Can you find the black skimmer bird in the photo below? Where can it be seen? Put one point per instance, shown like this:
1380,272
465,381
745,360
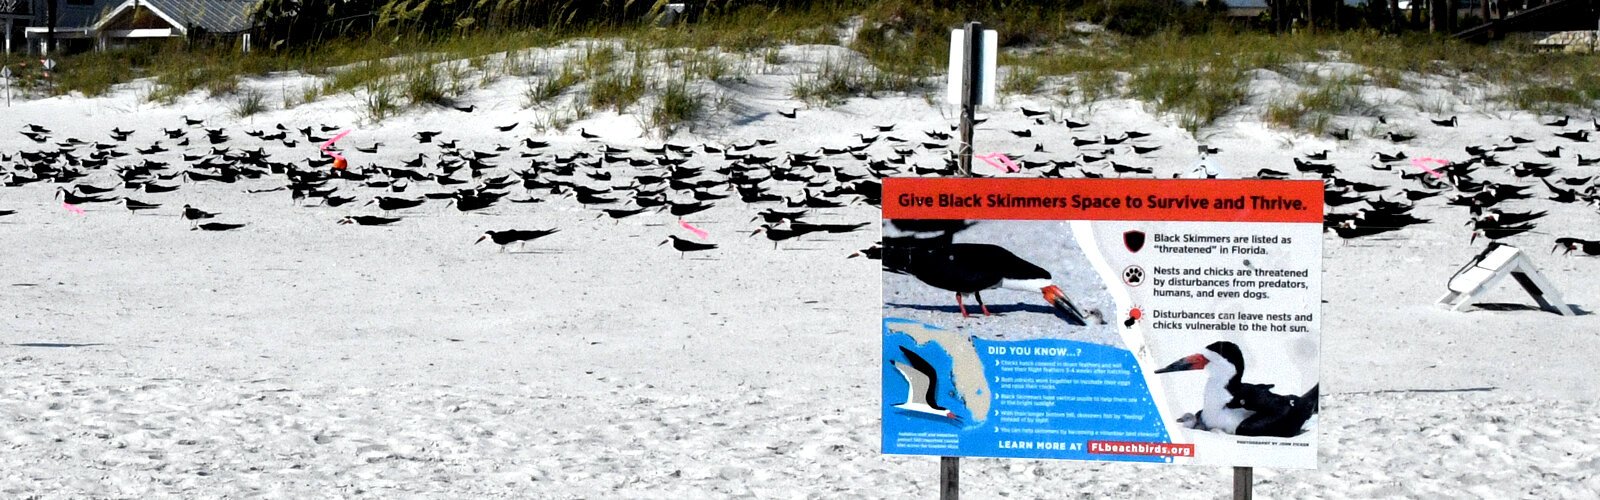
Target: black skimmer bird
923,381
369,220
1349,229
1494,231
466,109
73,198
1398,137
506,128
194,214
1388,158
136,205
386,203
1235,407
1575,136
1031,113
684,246
508,237
873,253
620,213
1588,247
791,114
1450,122
971,268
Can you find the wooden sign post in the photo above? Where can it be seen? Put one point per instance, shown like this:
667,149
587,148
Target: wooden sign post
1244,483
973,58
971,84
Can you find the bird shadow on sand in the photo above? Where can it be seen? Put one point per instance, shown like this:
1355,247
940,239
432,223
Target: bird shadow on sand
54,344
1427,391
536,252
1508,307
973,309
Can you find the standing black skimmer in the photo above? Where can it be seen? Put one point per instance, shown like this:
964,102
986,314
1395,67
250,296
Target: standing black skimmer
1241,409
194,214
508,237
684,246
971,268
922,396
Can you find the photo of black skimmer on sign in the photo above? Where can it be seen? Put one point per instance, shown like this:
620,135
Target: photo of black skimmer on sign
1241,408
1031,318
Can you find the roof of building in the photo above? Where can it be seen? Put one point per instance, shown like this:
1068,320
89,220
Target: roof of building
215,16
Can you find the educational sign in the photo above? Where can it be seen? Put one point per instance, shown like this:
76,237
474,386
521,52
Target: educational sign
1169,321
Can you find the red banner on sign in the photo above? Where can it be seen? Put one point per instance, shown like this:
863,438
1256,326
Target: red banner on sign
1215,200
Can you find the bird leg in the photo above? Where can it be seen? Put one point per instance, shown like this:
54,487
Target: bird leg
962,306
981,305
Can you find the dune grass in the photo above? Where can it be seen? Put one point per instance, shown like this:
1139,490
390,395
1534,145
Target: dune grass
250,103
619,89
1196,73
1321,98
677,104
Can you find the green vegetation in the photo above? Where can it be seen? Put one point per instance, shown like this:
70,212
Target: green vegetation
250,103
546,88
1324,97
424,87
836,80
618,90
607,54
676,105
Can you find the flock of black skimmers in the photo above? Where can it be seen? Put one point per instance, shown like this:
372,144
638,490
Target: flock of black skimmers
784,190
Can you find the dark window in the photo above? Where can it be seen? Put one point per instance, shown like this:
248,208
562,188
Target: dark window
81,3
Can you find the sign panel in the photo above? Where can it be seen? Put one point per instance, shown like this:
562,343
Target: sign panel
1169,321
990,41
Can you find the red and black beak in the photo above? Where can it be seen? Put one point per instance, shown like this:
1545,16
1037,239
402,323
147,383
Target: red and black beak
480,239
1190,362
1053,295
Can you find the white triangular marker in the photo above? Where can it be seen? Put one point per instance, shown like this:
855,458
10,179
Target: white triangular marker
1494,264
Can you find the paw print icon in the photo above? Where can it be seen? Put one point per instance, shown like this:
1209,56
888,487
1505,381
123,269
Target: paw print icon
1133,275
